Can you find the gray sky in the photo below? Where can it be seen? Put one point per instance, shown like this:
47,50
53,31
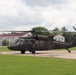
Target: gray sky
26,14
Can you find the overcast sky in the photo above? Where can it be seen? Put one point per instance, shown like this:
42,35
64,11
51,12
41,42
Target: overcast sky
26,14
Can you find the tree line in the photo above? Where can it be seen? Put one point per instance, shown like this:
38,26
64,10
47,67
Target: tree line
63,31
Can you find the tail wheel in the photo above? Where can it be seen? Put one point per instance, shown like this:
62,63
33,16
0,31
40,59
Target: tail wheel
68,50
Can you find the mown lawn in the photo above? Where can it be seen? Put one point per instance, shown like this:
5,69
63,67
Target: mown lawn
4,48
23,65
74,48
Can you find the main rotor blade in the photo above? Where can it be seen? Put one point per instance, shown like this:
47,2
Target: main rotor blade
16,31
19,31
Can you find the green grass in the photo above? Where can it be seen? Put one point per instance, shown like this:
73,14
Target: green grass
74,48
4,48
20,65
23,65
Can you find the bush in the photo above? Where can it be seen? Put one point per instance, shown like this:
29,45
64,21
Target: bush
5,42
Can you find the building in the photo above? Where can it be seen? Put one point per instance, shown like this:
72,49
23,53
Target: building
12,37
59,38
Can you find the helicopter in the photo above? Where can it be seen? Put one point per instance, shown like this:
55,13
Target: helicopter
37,42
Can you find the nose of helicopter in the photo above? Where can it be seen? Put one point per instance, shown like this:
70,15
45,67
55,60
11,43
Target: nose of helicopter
10,47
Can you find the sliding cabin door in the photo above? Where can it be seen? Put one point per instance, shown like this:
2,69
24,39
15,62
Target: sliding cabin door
41,45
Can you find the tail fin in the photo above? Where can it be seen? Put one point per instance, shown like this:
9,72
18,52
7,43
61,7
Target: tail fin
74,38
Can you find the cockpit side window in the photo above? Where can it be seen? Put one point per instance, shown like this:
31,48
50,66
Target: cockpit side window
15,41
18,42
22,42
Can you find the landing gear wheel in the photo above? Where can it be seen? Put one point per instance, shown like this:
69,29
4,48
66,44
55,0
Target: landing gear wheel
23,52
33,52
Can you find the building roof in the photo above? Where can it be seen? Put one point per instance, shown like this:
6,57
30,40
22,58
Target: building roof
12,34
58,35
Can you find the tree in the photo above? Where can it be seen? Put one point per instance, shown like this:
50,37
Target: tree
56,31
68,36
43,29
63,29
5,42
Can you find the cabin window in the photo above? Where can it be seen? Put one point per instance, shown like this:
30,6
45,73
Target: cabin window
46,43
15,41
25,42
37,42
22,42
18,42
29,42
41,42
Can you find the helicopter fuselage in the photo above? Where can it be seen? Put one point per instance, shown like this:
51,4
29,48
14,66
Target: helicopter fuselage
39,43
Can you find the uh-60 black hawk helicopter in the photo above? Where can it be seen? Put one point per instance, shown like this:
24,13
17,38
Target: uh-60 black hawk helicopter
36,42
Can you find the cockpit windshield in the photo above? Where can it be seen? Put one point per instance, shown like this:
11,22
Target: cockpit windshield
18,42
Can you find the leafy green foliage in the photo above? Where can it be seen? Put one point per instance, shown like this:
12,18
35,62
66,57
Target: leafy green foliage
56,31
64,32
64,29
68,36
42,29
5,42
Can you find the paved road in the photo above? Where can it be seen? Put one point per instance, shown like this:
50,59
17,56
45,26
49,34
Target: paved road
53,53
